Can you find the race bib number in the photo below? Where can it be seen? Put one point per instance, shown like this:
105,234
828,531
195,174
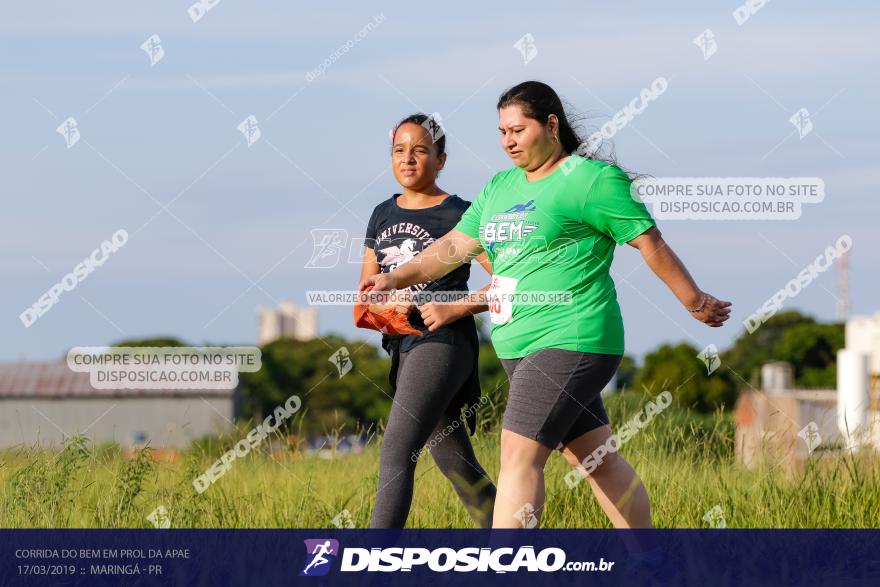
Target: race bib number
500,298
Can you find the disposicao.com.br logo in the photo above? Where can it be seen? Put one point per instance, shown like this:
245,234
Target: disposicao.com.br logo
403,559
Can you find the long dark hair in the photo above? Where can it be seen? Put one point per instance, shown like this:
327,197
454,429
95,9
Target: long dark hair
539,101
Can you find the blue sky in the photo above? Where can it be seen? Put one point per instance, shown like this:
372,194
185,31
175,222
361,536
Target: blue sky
237,234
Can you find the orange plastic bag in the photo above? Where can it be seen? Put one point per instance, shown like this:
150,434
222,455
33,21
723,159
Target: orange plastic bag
388,321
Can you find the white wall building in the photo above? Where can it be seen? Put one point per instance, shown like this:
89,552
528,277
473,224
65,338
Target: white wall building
43,403
779,423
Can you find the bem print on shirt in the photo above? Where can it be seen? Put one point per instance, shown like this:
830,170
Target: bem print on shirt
556,234
510,226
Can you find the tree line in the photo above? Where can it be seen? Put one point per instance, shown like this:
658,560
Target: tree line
359,400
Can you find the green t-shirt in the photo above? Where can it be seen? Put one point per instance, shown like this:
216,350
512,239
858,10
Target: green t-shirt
556,234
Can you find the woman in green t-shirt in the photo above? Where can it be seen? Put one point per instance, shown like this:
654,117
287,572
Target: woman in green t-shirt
550,225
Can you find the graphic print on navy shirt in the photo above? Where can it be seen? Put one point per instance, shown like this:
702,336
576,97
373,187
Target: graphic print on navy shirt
390,256
398,234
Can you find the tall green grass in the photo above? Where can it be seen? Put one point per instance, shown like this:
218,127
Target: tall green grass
686,462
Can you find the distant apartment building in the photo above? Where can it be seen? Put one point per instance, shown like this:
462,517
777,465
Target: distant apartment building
288,320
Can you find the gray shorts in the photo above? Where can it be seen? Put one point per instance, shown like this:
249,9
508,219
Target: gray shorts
555,394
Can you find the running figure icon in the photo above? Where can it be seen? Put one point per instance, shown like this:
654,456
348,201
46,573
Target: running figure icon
320,550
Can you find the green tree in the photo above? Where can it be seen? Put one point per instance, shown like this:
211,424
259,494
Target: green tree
330,402
678,370
750,351
812,349
790,336
626,373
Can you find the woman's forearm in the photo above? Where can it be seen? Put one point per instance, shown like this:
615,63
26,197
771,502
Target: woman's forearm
400,301
668,267
449,252
474,303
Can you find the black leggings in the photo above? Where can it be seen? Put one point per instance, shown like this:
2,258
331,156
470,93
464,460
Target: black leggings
428,377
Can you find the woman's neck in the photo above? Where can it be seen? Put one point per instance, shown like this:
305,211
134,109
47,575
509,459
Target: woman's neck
548,166
415,199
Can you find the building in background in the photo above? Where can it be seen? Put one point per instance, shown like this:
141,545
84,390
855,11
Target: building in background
288,320
44,403
781,425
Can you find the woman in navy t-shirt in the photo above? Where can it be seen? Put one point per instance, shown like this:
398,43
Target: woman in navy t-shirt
434,375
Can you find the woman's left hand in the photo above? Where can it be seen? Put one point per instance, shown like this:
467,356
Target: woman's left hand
714,311
435,315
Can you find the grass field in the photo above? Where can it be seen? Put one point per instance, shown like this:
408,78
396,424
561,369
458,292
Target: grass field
687,464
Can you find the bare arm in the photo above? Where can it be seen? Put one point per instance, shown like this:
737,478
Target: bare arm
477,301
436,315
450,251
668,267
370,267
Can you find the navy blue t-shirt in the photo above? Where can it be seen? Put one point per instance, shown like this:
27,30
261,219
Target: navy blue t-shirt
398,234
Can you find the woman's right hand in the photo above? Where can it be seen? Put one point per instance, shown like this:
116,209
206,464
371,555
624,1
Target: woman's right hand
399,301
714,312
377,289
380,282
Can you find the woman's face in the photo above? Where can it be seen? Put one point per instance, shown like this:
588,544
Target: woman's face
525,140
414,157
